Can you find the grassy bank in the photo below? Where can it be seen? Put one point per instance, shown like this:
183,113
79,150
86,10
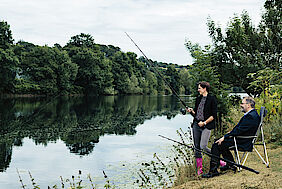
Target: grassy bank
267,178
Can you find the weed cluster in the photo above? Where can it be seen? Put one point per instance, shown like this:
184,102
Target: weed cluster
172,169
75,182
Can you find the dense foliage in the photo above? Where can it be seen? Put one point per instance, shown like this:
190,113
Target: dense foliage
244,57
8,60
80,67
244,48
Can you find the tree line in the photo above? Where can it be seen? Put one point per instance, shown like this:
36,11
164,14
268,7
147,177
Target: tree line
242,57
79,67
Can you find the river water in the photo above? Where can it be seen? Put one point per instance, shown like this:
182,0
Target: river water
53,138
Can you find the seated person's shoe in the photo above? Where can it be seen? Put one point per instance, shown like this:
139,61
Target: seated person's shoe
228,167
210,174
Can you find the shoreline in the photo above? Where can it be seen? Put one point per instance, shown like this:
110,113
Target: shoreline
267,178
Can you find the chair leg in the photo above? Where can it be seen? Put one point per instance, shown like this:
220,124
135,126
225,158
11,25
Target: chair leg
245,159
264,148
261,157
237,154
265,155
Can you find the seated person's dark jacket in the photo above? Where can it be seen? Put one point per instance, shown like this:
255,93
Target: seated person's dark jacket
247,126
210,109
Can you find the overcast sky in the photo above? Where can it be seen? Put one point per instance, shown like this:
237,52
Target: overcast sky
159,27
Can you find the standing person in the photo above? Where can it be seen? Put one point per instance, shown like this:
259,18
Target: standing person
247,126
204,115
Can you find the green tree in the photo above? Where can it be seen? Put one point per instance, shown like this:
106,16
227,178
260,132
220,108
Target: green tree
82,40
133,85
8,70
173,78
151,80
185,80
8,60
94,73
6,38
237,53
122,71
159,70
66,73
161,86
48,68
109,50
264,80
271,33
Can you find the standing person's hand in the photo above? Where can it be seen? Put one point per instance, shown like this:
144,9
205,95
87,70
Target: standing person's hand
189,109
201,124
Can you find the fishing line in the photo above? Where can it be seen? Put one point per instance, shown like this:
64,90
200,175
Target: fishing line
161,76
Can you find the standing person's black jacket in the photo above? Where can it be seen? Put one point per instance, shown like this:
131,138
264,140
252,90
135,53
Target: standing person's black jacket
210,109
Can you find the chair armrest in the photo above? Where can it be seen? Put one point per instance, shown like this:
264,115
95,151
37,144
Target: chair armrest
245,136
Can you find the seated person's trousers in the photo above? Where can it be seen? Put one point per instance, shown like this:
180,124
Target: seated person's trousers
223,150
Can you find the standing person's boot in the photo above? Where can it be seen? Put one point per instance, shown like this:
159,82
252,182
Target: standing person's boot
199,162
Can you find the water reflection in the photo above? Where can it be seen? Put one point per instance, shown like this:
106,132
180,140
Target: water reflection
77,121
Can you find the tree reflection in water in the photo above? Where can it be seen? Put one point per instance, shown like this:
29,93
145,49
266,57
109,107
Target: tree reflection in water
78,121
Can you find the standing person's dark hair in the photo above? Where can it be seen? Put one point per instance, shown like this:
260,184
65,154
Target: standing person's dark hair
206,85
204,113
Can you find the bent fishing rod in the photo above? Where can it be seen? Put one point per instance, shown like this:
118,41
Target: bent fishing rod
212,155
152,66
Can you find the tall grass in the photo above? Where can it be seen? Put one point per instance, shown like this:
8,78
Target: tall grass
75,182
165,171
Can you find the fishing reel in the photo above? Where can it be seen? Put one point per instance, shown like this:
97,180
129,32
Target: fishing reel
183,111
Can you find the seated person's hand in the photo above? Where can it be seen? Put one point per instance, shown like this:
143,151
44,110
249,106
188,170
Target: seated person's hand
219,141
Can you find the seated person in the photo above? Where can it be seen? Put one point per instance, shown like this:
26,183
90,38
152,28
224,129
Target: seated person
247,126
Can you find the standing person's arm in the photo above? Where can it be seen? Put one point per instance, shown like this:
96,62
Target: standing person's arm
204,123
193,111
213,113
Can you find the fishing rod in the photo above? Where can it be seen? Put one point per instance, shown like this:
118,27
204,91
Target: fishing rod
151,64
183,111
212,155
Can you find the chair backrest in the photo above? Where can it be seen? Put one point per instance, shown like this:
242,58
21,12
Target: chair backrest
262,114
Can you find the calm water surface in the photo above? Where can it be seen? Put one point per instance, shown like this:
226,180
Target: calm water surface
58,137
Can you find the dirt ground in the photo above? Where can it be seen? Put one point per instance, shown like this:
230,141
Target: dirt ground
267,178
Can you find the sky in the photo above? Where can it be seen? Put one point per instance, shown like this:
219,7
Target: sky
159,27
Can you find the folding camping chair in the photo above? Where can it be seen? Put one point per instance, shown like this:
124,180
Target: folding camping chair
244,157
